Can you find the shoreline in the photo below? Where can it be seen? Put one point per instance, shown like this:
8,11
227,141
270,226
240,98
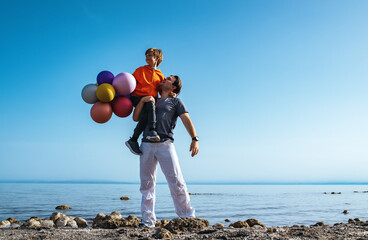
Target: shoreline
337,231
114,226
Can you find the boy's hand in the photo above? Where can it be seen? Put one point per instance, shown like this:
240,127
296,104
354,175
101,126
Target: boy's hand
148,99
194,148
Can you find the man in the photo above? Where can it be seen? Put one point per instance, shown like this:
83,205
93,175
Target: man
168,109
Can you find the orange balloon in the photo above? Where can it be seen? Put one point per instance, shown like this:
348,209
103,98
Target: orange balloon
101,112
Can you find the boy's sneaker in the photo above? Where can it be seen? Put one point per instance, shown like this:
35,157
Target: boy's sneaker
152,136
133,147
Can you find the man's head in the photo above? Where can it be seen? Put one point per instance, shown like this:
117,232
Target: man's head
154,57
171,84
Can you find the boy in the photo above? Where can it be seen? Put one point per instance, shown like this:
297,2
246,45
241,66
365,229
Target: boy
148,80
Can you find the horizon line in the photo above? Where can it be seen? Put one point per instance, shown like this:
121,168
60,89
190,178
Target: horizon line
188,183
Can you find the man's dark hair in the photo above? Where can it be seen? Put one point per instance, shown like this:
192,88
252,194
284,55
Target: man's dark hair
177,84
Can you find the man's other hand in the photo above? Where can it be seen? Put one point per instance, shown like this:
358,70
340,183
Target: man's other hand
194,148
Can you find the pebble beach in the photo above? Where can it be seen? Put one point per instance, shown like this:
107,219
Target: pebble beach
114,226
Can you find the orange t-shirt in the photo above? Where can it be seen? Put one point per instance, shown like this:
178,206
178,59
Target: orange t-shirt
148,80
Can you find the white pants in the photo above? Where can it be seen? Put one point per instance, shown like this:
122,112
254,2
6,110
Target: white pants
165,154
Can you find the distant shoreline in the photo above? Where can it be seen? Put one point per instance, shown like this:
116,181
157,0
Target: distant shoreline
188,183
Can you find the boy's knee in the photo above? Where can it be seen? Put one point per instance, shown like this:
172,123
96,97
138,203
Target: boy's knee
149,105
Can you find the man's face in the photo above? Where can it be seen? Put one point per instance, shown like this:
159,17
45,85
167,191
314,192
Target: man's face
151,60
167,83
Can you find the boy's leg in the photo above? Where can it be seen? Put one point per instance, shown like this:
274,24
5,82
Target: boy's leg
148,169
141,125
168,159
132,143
150,109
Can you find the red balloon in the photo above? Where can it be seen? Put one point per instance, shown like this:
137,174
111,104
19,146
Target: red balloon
101,112
122,107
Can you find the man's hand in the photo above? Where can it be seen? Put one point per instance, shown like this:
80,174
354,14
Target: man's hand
194,148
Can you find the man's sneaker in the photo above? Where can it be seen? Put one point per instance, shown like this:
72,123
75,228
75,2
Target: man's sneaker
133,147
152,136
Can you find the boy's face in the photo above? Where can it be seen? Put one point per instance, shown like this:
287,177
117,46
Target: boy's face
151,60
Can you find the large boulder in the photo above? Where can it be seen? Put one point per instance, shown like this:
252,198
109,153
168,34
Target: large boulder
4,223
12,220
47,223
114,220
61,223
33,222
82,223
239,224
72,224
252,222
57,215
187,224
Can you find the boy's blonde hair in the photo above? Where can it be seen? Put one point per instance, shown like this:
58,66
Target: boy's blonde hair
157,53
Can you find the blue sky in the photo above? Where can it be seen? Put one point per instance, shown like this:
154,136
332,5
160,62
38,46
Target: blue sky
277,90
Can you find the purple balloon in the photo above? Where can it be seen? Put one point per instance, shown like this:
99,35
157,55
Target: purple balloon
105,77
124,83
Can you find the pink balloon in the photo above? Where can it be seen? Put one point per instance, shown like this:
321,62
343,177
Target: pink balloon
124,83
122,107
101,112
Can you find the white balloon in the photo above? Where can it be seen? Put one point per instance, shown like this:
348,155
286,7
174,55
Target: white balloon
89,93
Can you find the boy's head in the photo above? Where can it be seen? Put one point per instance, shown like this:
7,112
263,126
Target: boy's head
154,57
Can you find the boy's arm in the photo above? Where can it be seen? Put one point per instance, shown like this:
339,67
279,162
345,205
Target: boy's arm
194,148
139,107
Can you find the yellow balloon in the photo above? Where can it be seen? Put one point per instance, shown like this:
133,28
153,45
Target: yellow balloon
105,92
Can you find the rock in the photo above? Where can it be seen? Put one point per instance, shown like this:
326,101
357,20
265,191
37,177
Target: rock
253,222
33,222
72,224
186,224
356,191
124,198
218,225
114,221
320,224
82,223
345,212
4,223
162,223
47,223
12,220
162,233
33,218
57,215
61,223
63,207
239,224
227,220
115,215
357,219
351,221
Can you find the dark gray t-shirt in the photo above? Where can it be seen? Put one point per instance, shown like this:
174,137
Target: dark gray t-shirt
167,112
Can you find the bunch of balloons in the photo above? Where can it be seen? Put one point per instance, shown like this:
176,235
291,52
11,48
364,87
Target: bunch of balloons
109,95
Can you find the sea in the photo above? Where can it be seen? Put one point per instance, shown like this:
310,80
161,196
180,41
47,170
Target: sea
273,205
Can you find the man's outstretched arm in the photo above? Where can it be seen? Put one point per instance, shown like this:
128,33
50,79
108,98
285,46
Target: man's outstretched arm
192,132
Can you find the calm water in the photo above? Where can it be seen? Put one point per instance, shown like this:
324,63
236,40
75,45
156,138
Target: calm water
273,205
